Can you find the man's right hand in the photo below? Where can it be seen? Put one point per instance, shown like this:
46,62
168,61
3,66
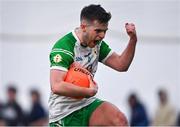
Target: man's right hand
93,87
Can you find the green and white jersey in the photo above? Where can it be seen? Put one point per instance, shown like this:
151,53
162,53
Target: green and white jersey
66,51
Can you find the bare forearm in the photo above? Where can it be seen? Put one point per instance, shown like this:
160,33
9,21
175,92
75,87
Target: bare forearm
123,61
128,54
71,90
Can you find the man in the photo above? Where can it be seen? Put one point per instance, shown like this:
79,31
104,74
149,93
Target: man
138,112
85,47
165,114
12,112
37,115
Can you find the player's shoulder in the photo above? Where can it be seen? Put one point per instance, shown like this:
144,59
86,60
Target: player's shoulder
67,42
103,44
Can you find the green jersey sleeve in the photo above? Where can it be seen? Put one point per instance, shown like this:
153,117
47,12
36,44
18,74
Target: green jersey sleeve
61,56
105,52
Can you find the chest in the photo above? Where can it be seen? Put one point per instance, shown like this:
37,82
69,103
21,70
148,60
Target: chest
86,55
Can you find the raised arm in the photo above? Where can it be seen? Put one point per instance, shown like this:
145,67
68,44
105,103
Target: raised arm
60,87
123,61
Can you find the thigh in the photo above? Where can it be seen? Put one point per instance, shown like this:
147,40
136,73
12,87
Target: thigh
107,115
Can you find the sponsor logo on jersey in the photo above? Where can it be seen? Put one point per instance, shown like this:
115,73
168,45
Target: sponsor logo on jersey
82,70
57,58
79,59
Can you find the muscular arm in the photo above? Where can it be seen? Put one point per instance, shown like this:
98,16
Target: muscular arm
60,87
123,61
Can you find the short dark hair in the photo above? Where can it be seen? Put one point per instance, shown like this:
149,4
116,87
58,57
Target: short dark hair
162,92
12,89
95,12
35,92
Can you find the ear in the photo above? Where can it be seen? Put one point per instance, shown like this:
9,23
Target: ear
83,25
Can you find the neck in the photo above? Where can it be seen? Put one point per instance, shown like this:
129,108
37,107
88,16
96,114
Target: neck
80,36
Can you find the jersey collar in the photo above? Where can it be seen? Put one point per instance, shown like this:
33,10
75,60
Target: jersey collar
74,34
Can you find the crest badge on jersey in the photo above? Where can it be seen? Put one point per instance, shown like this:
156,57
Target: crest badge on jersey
57,58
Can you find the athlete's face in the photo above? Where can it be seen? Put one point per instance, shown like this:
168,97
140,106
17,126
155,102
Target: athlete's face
94,32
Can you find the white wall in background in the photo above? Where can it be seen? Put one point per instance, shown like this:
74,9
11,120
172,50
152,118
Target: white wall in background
30,28
0,48
51,17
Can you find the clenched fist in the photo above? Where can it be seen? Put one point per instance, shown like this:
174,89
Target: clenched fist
131,30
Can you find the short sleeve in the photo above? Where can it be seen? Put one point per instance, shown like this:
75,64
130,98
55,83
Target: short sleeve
61,56
105,52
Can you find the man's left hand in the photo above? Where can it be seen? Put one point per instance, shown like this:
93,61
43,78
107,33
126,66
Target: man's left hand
131,30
